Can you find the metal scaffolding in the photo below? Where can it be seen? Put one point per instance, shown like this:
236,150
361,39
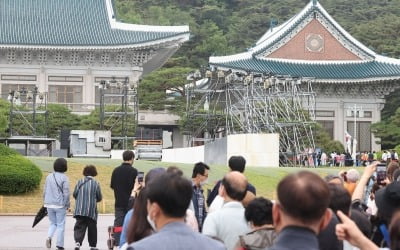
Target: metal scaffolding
119,110
28,112
237,102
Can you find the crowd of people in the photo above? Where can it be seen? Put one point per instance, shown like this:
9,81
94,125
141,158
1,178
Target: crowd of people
166,210
342,159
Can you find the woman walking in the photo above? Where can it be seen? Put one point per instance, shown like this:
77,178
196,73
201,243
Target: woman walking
56,200
87,193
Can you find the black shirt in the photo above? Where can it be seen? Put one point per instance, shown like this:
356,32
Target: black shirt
122,181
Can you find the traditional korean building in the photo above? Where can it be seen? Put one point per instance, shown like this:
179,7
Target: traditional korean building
350,80
66,47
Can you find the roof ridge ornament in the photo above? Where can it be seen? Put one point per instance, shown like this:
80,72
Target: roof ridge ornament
314,2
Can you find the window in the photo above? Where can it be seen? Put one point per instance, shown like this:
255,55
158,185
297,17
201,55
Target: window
102,139
65,78
7,88
111,95
324,113
118,79
363,134
65,94
328,127
360,113
18,77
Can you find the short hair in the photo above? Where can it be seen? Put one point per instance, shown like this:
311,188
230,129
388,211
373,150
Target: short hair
340,198
199,168
174,170
60,165
259,211
304,196
172,193
233,188
352,175
237,163
153,174
90,170
128,155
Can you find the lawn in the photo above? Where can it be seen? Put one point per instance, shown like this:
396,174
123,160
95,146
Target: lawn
264,179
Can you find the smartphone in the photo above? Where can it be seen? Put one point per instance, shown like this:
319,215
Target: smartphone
380,173
140,176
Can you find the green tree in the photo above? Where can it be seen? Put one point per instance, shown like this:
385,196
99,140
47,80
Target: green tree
388,131
112,122
59,117
4,116
152,90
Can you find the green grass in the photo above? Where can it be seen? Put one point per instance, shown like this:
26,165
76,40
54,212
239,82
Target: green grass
264,179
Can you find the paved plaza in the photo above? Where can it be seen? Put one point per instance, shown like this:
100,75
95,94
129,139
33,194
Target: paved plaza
16,232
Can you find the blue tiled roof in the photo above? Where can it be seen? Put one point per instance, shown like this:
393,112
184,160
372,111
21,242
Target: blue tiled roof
361,70
66,23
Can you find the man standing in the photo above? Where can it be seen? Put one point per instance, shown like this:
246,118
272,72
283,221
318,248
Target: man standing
301,211
229,222
168,198
235,163
199,178
122,182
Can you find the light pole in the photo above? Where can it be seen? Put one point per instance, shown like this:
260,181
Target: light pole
10,98
356,110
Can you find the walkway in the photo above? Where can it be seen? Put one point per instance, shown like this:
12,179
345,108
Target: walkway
16,232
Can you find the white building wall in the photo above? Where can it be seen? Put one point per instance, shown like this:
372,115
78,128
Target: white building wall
259,150
183,155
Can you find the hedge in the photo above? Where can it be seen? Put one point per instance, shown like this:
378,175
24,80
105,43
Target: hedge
17,174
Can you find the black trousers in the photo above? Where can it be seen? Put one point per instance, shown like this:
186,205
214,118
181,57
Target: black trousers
83,222
119,221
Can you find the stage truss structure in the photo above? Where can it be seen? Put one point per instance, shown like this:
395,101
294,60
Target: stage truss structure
226,102
119,111
28,112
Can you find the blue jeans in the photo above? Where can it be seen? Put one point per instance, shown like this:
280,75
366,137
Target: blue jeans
57,222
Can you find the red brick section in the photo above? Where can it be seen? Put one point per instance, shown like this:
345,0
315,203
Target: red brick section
296,49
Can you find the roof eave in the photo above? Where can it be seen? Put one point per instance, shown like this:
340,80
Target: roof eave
181,38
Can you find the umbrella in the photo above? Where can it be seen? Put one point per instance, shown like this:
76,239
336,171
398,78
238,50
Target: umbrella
40,215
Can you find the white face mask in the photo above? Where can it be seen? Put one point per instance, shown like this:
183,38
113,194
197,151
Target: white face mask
204,182
152,223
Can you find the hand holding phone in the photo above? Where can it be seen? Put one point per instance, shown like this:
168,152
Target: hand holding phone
381,173
140,177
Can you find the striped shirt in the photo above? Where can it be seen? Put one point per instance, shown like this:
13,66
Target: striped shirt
87,193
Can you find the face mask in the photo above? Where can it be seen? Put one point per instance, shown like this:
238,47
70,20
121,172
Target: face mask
152,223
204,182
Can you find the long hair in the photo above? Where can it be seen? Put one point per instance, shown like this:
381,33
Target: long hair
138,227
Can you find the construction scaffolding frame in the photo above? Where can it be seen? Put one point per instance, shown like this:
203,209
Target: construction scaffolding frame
28,112
243,102
119,110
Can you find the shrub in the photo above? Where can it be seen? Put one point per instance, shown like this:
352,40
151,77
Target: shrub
17,174
334,146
